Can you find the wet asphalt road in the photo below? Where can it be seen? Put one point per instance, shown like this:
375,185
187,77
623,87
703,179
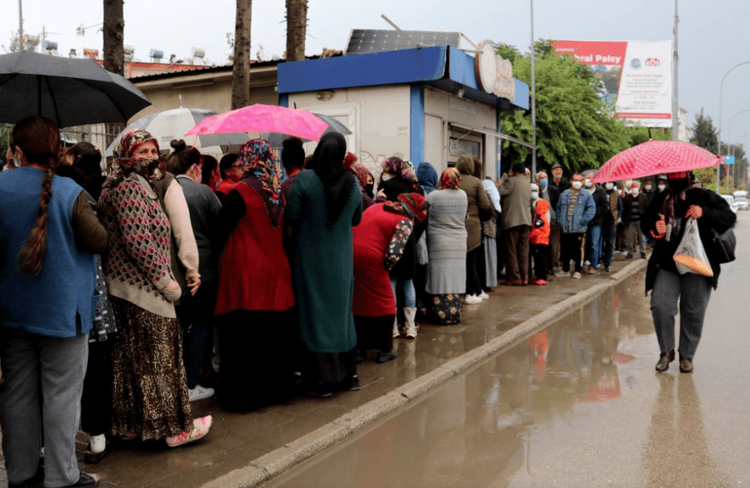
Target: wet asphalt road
578,404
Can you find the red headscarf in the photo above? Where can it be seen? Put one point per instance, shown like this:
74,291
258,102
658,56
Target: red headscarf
450,180
352,164
417,204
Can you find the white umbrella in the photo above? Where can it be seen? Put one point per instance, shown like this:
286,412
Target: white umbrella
173,124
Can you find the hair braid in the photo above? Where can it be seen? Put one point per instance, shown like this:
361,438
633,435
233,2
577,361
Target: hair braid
32,252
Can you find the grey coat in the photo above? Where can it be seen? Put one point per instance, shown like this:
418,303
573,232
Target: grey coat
516,194
446,242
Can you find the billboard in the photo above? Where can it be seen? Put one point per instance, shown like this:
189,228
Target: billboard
636,77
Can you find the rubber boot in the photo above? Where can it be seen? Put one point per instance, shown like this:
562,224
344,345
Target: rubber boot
396,332
411,327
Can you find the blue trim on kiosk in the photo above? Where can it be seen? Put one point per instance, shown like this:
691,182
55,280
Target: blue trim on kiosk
416,126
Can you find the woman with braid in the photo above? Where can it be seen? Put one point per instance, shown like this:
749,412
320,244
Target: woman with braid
49,236
150,393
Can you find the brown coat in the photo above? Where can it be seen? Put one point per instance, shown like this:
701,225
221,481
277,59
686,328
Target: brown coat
479,204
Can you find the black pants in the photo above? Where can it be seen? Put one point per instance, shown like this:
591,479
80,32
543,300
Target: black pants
96,401
473,286
539,255
197,321
570,248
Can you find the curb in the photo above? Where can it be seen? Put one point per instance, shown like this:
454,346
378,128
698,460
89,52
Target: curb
283,459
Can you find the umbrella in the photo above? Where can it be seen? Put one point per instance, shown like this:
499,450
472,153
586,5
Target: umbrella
655,157
263,118
68,91
334,125
171,124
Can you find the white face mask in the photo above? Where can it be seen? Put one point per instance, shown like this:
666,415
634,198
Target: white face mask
577,185
534,195
662,187
588,183
386,177
647,187
634,192
628,183
609,186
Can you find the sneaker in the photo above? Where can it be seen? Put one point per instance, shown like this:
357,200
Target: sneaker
483,296
577,275
98,449
541,282
607,269
469,299
643,255
629,255
201,428
86,480
385,356
587,263
200,393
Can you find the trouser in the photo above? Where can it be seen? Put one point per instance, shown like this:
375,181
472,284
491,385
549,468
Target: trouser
636,236
570,248
622,236
408,292
96,401
517,253
609,234
197,320
539,255
481,266
594,245
473,286
554,246
49,369
693,292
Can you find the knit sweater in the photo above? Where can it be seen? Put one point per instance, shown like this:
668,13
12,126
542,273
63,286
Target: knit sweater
137,262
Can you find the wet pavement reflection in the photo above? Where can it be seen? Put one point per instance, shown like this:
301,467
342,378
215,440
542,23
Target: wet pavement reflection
576,404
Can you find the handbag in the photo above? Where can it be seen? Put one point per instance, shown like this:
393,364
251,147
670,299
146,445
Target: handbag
724,245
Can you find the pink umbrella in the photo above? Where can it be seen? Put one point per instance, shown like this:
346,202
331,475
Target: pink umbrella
263,118
653,158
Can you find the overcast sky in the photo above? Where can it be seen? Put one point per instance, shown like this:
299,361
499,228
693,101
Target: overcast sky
713,35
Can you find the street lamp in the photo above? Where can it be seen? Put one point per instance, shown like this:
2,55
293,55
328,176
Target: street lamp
533,94
721,97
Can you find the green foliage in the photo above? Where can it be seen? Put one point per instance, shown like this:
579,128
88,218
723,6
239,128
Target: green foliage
705,134
5,130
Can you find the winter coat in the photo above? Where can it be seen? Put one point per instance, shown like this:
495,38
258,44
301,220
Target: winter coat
516,194
479,204
583,212
540,235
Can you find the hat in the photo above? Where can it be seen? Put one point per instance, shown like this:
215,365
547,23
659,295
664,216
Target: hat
662,177
534,187
555,166
588,172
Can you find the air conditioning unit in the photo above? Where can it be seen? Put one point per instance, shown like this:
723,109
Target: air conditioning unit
128,52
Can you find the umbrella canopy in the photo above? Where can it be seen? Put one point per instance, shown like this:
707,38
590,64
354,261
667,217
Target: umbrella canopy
263,118
654,157
68,91
172,124
334,125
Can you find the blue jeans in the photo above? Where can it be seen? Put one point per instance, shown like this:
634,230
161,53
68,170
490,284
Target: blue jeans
407,287
594,244
609,235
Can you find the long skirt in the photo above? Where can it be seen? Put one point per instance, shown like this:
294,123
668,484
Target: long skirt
374,332
149,388
257,351
490,259
445,309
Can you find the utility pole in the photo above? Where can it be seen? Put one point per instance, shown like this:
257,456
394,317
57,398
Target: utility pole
675,76
533,95
20,23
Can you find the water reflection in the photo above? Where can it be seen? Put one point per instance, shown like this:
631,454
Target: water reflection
477,430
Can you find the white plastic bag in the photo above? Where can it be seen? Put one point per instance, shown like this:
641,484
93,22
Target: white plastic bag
690,256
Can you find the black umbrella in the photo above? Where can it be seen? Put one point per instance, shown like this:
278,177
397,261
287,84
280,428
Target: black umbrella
68,91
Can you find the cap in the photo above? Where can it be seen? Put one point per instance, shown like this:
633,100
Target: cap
555,166
588,172
534,187
662,177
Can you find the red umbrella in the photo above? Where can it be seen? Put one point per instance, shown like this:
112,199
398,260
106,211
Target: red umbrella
653,158
263,118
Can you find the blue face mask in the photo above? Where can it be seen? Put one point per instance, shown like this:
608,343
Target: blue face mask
543,183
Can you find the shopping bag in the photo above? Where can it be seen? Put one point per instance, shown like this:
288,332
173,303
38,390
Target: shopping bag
690,256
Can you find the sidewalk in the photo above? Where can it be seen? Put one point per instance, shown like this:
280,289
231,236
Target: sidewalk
229,456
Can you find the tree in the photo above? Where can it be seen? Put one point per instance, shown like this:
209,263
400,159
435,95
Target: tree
114,35
574,128
241,61
705,134
296,29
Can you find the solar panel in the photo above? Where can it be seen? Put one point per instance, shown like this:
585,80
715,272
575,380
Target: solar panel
377,40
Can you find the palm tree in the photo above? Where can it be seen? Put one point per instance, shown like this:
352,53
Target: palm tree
296,29
241,70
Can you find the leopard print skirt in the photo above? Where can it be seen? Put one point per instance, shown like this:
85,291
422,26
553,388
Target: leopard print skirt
149,391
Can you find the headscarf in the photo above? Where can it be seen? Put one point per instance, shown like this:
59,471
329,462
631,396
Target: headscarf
328,164
451,179
417,204
352,164
125,164
398,167
262,173
427,177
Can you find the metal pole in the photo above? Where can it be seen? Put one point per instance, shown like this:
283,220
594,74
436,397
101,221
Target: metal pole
533,94
20,23
675,96
731,148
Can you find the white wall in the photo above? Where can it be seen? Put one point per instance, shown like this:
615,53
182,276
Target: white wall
377,116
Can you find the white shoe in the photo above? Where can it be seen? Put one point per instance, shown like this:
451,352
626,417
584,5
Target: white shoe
200,393
98,443
483,295
577,275
587,263
469,299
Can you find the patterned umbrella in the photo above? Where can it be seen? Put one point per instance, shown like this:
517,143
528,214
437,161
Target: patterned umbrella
263,118
655,157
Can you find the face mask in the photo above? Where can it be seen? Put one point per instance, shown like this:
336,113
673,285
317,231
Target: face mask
543,182
627,192
679,185
577,185
662,187
634,192
609,186
534,196
647,187
628,183
386,177
588,183
368,189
